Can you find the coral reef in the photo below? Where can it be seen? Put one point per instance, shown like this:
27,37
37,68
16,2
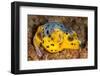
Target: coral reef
78,24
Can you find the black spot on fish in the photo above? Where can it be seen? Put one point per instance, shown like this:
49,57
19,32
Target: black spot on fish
51,50
52,44
47,32
51,38
61,25
47,46
43,41
49,35
70,38
66,33
46,28
60,43
71,43
40,44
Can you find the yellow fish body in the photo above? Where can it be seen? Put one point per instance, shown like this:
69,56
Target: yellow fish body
57,41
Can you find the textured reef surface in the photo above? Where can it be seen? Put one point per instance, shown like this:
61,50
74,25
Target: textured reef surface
57,37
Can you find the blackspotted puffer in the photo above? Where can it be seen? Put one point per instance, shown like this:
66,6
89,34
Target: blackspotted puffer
55,37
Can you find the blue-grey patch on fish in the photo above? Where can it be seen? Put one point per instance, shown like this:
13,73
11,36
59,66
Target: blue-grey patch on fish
49,27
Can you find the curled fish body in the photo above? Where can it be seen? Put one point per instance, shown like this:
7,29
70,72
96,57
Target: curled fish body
55,37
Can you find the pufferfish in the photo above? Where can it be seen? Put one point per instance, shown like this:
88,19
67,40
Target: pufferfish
55,37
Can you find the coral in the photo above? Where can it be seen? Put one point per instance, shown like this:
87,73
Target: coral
78,24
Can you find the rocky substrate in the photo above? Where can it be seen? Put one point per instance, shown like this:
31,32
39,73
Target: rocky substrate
78,24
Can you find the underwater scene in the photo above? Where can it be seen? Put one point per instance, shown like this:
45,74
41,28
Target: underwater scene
57,37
